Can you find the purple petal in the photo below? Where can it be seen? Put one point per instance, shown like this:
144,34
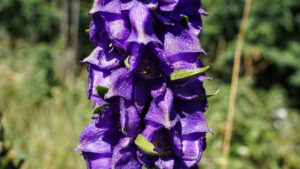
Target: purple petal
97,139
193,120
182,48
105,59
188,7
151,4
194,123
111,59
120,84
109,28
190,90
202,12
97,32
137,52
146,160
181,40
151,130
97,77
93,58
165,162
127,4
168,5
117,28
141,95
97,160
191,107
124,155
109,6
175,134
193,147
161,111
184,61
141,25
163,19
196,24
165,65
158,87
193,10
129,118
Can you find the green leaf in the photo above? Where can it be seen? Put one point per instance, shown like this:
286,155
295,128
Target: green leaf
99,109
184,74
147,147
126,61
184,20
87,30
101,90
203,96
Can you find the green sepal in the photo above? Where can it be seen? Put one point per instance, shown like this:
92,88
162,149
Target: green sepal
147,147
203,96
184,20
184,74
126,62
101,90
87,30
99,109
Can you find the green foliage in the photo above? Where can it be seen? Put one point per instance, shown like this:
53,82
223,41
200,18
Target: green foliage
32,19
265,133
184,74
6,161
272,40
42,113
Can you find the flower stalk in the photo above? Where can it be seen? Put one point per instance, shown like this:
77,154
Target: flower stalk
234,85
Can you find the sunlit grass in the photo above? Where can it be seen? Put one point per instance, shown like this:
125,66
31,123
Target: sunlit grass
44,125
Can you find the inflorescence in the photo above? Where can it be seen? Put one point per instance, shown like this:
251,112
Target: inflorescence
146,82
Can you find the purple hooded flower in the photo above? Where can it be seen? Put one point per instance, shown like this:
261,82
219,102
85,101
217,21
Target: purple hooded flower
140,46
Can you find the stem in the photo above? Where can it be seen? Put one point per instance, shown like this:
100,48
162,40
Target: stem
234,85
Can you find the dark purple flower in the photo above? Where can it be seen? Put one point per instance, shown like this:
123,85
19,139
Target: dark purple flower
139,44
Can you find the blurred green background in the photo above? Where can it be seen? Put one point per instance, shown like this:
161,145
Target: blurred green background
43,83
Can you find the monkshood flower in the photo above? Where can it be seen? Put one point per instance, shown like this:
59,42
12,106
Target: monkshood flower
146,81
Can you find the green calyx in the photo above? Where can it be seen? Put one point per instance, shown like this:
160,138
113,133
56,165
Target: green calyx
184,20
184,74
99,109
147,147
203,96
101,90
126,62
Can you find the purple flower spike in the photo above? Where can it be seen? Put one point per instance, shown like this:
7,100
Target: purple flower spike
146,82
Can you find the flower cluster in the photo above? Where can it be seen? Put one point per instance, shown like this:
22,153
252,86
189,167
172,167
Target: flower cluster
146,82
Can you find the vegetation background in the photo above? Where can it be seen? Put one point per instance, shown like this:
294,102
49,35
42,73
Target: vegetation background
43,83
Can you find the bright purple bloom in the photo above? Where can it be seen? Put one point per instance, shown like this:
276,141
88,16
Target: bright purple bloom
139,44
